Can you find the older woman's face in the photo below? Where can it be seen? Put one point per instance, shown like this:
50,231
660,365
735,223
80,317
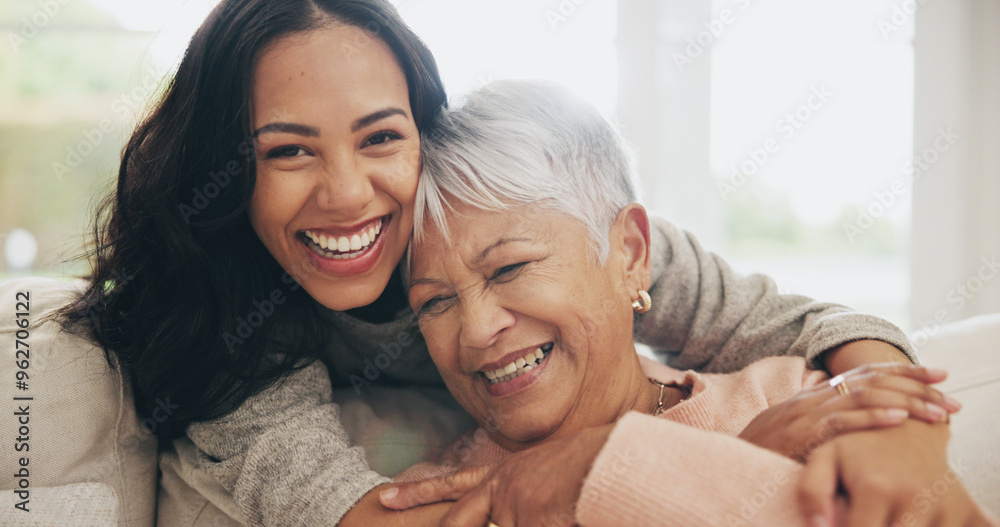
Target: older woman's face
338,155
527,330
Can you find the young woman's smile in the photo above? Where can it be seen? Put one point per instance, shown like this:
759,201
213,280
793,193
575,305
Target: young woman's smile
338,155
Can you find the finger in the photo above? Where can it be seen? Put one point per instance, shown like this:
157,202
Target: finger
912,371
846,421
915,371
818,486
448,487
473,510
915,388
862,397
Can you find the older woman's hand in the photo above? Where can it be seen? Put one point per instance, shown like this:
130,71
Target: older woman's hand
535,487
876,396
898,476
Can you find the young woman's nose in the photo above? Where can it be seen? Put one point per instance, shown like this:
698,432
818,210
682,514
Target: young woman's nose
345,187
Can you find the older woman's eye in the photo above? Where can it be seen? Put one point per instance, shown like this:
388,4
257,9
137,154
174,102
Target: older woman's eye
286,151
507,271
433,306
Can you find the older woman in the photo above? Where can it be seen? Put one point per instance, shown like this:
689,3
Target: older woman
529,262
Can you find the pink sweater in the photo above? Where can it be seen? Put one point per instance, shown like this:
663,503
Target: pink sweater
683,467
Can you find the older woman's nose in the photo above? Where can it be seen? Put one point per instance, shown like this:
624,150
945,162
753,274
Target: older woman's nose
483,321
345,187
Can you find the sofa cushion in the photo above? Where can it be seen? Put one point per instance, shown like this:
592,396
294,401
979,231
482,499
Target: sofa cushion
83,437
970,351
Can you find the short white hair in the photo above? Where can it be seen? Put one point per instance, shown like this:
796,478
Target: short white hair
516,142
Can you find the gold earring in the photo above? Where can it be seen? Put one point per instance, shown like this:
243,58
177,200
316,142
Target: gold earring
644,303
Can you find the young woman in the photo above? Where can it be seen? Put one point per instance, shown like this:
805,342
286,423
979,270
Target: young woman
260,214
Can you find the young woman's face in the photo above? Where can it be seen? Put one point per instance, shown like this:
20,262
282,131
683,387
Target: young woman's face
338,155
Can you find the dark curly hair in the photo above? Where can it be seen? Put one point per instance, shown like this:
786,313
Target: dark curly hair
181,288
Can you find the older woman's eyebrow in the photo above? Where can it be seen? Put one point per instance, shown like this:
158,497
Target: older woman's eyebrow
502,241
288,128
424,281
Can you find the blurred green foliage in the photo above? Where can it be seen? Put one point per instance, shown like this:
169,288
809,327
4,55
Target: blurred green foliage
66,107
761,222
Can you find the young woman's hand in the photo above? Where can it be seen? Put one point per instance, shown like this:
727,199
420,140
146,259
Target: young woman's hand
870,397
532,488
895,476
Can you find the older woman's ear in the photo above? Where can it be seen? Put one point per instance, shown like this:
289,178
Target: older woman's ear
632,226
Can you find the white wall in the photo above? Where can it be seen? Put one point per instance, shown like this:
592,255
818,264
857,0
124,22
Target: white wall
956,202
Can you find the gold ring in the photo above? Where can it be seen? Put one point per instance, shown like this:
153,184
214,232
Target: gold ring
840,383
491,524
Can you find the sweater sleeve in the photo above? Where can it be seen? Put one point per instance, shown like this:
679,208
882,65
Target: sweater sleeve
707,317
703,478
284,455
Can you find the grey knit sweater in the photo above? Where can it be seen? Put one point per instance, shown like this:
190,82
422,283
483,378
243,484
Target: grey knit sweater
288,461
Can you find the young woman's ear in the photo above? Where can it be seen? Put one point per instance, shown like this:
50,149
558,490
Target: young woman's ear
632,229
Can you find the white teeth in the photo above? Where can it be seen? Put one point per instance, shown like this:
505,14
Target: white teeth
519,367
344,244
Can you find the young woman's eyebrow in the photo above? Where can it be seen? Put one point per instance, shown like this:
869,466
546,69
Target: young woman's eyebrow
376,116
288,128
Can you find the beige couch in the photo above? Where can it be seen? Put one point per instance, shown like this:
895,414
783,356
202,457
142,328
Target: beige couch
91,462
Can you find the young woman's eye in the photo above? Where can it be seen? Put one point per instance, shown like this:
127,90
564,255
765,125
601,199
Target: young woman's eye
381,138
507,271
286,151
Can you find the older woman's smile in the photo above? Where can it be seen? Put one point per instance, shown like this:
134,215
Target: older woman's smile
522,363
517,374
